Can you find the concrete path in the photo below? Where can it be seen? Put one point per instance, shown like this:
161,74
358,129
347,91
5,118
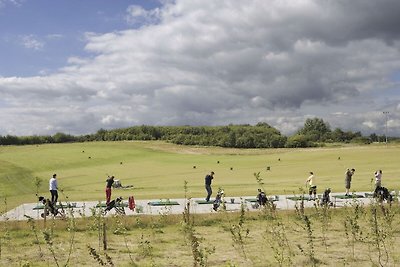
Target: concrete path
176,206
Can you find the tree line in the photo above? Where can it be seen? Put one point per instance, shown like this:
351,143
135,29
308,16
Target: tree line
315,132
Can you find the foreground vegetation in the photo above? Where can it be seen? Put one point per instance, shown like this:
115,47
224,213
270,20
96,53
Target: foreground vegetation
322,236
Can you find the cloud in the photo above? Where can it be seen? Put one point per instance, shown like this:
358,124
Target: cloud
31,42
217,62
138,15
13,2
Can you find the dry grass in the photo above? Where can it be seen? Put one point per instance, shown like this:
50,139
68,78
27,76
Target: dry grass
160,241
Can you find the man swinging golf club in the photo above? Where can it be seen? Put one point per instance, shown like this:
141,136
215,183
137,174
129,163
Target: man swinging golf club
208,180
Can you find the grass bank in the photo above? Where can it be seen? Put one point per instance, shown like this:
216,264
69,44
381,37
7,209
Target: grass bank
158,169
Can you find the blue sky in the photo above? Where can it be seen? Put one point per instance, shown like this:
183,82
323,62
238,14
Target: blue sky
40,35
77,66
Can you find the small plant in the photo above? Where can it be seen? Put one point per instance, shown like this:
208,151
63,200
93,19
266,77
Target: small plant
324,216
32,224
200,256
108,259
99,225
353,230
71,226
299,207
260,181
239,233
380,232
48,237
95,255
37,182
306,225
122,230
145,247
5,232
279,243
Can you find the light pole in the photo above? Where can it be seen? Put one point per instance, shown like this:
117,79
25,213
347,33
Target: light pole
386,121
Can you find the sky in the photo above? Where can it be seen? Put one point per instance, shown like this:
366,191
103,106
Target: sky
76,66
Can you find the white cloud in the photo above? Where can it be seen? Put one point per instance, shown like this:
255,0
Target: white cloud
31,42
370,124
218,62
138,15
13,2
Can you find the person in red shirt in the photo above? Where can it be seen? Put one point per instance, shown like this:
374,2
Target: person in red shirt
110,182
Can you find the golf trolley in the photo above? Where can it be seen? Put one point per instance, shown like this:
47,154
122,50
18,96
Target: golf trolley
326,199
382,193
50,208
218,199
117,205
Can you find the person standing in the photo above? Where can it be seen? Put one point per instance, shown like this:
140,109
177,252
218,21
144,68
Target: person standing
261,197
349,174
312,187
53,187
208,180
378,178
109,184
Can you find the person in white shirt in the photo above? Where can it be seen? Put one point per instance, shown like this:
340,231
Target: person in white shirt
378,178
312,187
53,187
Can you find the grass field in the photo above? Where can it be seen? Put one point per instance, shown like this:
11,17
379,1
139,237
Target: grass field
352,236
158,169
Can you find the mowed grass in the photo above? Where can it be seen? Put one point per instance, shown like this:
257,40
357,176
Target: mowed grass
158,169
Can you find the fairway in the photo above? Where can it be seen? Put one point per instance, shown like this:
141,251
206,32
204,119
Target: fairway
158,169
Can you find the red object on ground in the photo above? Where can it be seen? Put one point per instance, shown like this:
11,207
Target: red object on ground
131,204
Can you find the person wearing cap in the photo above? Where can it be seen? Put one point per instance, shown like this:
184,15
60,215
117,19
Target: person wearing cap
53,187
208,181
109,184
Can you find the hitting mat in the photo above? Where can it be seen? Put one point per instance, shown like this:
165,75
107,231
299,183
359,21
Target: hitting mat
348,197
163,203
103,205
204,202
299,198
253,200
62,206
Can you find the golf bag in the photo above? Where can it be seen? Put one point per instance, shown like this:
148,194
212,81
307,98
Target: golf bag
382,193
326,200
115,204
49,207
218,199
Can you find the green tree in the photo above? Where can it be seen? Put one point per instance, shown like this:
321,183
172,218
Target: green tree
298,140
315,130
